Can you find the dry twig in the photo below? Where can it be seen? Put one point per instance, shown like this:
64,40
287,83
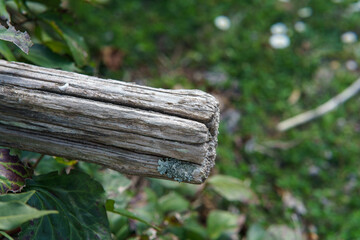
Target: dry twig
330,105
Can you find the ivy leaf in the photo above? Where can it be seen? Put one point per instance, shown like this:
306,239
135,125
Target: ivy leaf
80,202
20,39
14,213
123,212
19,197
12,172
232,189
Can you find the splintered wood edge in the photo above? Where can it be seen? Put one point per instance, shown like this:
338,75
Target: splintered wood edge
122,160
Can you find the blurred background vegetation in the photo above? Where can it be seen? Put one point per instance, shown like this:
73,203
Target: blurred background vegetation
265,61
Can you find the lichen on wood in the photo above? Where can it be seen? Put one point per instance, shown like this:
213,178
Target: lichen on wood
180,171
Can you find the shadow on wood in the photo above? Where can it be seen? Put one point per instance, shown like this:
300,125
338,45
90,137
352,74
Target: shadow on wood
133,129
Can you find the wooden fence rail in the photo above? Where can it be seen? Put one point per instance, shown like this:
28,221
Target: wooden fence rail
133,129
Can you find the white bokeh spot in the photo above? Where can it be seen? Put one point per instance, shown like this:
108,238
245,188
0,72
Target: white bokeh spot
222,23
349,37
278,28
351,65
305,12
300,27
279,41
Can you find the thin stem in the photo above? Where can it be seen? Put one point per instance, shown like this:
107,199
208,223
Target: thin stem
38,161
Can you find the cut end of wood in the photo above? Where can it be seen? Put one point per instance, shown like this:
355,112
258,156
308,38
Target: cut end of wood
170,134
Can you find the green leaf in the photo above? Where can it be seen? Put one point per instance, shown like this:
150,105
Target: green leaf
50,4
6,235
57,47
220,222
232,189
3,12
256,232
123,212
65,161
20,39
13,214
173,202
114,183
15,152
12,172
80,202
19,197
43,56
283,232
76,43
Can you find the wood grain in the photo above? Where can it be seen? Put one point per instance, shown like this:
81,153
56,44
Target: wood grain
120,125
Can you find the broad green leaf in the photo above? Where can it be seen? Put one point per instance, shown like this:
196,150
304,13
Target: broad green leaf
43,56
221,222
19,197
6,51
76,43
20,39
256,232
173,202
80,202
3,12
6,235
12,172
123,212
232,189
13,214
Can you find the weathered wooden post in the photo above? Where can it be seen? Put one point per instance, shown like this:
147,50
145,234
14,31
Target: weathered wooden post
133,129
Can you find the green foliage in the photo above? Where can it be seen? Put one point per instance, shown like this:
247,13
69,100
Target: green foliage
6,51
43,56
20,197
6,235
14,211
123,212
221,223
79,201
75,42
232,189
3,12
173,202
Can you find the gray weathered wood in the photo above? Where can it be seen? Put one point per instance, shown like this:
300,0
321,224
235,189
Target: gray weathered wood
120,125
